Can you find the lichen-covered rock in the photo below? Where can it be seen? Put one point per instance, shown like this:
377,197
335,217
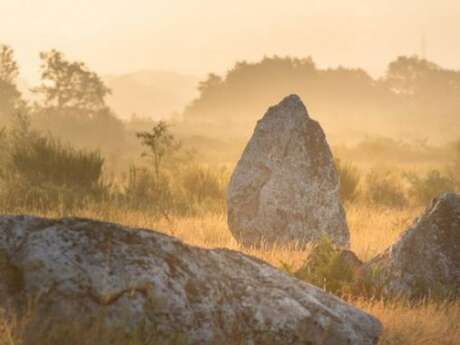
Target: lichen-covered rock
426,259
81,270
285,188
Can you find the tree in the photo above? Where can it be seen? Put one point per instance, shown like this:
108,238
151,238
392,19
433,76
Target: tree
9,70
211,83
73,105
413,76
10,97
160,143
70,85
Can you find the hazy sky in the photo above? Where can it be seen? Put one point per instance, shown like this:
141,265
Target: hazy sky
117,36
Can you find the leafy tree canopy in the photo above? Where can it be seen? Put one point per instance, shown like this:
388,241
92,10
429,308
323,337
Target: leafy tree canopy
67,84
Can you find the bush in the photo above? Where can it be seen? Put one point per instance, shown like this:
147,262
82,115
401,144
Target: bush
329,267
339,271
145,191
102,130
423,189
189,190
384,188
349,177
39,171
45,160
203,183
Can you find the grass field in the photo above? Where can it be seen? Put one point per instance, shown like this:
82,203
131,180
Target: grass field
372,230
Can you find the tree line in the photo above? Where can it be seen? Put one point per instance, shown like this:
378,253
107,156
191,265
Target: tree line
414,96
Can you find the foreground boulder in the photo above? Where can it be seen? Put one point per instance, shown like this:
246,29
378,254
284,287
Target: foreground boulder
80,270
285,188
426,259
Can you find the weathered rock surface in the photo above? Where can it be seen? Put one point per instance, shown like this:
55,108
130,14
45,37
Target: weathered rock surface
426,259
80,269
285,187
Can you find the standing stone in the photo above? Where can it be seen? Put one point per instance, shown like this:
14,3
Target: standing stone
285,188
85,272
426,259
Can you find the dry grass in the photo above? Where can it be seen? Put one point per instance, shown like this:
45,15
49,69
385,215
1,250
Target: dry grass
372,230
427,323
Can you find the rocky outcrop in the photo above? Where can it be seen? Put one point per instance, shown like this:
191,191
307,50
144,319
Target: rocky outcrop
80,269
426,259
285,189
424,262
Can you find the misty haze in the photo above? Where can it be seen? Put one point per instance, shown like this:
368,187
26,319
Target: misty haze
189,173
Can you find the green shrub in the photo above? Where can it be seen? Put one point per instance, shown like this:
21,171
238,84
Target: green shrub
384,188
329,267
339,271
349,177
45,160
39,171
424,188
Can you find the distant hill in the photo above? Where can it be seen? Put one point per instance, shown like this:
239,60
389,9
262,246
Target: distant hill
153,94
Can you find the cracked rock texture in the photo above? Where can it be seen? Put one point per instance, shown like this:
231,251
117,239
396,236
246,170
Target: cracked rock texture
80,269
285,188
426,259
